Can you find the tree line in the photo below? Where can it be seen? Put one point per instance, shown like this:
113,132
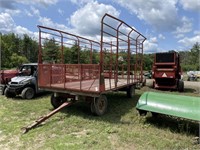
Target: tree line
17,50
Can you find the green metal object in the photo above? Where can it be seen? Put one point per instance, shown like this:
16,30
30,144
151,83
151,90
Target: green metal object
175,105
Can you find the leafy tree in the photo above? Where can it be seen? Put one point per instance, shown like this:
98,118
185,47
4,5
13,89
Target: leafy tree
13,46
67,55
75,55
190,59
95,57
17,60
29,48
85,56
51,51
194,56
9,45
148,61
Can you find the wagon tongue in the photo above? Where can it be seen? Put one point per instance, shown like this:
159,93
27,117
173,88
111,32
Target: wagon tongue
187,107
43,118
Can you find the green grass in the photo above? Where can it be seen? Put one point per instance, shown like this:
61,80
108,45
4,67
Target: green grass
75,128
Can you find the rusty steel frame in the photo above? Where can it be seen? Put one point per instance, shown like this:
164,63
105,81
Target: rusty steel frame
139,42
58,77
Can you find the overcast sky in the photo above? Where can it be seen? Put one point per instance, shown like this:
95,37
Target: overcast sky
167,24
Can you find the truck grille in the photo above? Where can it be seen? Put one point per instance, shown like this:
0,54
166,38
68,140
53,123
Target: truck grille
14,82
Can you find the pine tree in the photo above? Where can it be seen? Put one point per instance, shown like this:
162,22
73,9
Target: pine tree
51,51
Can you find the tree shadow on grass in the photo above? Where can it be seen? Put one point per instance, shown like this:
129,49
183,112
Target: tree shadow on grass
189,90
118,106
36,97
174,124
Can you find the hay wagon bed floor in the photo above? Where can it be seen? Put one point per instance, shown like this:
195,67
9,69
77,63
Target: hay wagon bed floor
90,85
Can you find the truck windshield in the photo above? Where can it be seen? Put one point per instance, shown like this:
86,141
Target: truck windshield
164,57
27,70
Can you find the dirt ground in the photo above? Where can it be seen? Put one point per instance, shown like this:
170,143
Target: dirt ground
189,86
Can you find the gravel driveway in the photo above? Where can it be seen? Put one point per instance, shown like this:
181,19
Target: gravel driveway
187,85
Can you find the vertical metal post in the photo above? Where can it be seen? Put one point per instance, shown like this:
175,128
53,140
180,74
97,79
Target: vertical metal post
64,76
39,56
129,55
128,67
136,61
80,75
39,47
91,50
111,63
117,51
78,51
62,53
101,75
142,61
137,56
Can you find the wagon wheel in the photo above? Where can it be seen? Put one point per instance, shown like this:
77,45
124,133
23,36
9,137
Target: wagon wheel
56,101
28,93
130,91
180,86
92,108
99,105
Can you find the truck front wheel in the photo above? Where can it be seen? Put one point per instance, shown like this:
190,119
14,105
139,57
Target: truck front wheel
28,93
9,94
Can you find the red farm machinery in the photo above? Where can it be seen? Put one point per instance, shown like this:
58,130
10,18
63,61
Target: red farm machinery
166,71
5,78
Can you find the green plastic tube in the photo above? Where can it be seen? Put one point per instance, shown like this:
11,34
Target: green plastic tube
175,105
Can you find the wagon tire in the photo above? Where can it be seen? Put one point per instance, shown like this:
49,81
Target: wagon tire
9,94
131,91
56,101
92,107
180,86
99,105
28,93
